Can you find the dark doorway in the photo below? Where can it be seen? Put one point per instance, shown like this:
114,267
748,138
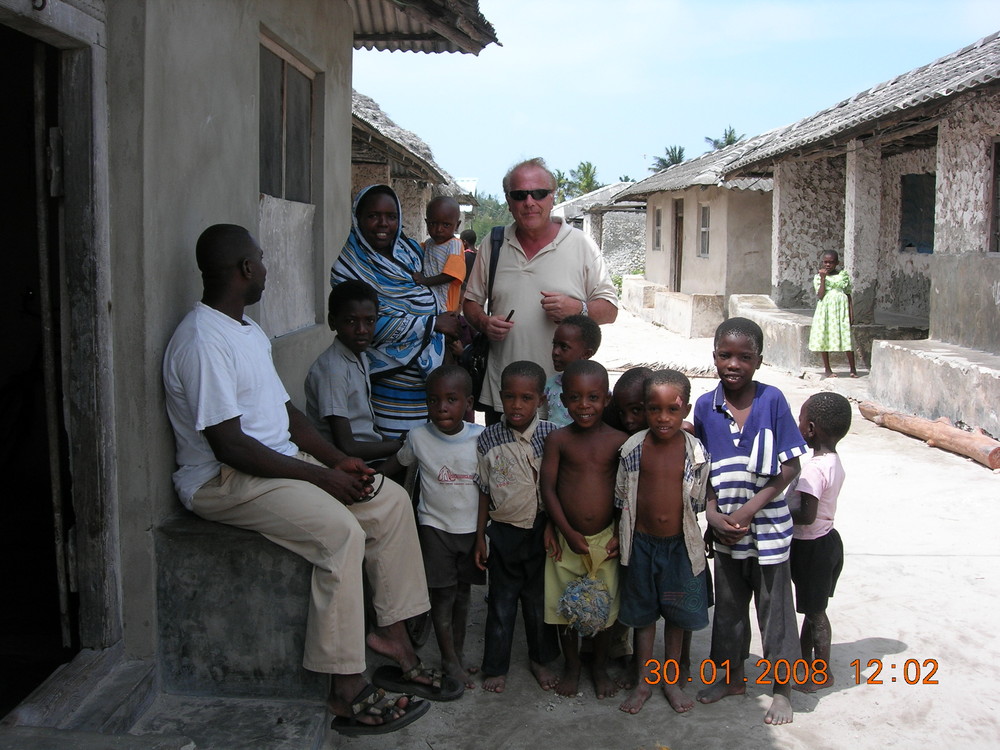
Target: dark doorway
37,621
678,248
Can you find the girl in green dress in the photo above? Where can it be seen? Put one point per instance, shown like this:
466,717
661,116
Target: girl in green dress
834,316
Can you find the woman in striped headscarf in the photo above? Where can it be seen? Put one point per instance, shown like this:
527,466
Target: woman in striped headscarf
410,335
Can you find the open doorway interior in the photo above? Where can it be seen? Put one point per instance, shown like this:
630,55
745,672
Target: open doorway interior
37,620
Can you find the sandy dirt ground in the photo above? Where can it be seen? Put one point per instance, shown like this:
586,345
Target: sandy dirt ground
920,587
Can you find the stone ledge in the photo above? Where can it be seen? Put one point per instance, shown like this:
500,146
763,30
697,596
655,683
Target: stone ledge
786,333
935,379
232,613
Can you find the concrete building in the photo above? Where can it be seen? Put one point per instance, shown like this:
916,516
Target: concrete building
128,128
706,238
617,228
902,180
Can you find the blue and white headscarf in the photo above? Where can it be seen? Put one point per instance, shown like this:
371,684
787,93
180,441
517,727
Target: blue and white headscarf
404,335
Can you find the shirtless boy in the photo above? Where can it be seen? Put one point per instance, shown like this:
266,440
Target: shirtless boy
662,483
578,482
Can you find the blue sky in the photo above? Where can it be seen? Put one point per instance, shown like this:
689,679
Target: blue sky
615,83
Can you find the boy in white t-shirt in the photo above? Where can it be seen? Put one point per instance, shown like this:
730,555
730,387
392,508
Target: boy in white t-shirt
448,510
817,555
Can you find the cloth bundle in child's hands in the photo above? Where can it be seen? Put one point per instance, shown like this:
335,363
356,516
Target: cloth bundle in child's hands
586,603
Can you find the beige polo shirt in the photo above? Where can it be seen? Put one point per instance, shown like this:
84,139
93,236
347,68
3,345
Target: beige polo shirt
571,264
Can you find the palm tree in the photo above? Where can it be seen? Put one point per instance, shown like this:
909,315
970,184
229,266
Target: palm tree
583,179
728,138
562,185
672,155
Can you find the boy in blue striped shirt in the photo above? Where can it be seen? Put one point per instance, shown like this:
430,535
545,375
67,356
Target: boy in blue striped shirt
755,445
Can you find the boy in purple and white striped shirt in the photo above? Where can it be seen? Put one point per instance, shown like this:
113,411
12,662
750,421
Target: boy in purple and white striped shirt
755,445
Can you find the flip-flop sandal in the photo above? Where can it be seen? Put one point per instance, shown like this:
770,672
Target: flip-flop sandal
442,687
372,701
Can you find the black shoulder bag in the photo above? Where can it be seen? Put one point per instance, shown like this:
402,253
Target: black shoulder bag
475,356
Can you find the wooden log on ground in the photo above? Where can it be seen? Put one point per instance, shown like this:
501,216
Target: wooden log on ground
939,433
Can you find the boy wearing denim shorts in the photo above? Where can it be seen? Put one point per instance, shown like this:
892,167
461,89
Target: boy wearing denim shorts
662,484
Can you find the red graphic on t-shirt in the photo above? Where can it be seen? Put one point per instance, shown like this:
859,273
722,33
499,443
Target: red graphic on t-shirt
447,476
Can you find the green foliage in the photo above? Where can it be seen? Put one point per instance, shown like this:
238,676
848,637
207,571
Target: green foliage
583,180
490,213
728,138
616,278
562,185
671,155
625,178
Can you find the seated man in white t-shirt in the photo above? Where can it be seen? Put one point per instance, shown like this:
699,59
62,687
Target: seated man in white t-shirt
249,458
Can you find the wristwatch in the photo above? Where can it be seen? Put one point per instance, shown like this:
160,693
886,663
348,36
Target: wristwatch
585,307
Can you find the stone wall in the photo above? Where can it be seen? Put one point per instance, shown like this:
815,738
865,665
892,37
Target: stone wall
903,278
965,297
808,221
623,235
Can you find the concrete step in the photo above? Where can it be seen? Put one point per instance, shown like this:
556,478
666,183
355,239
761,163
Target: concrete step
99,691
47,738
216,723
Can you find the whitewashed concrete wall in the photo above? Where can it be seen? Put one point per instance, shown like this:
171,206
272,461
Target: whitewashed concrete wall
748,245
904,278
658,262
808,221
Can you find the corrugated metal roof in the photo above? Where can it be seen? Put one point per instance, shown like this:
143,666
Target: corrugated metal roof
707,169
970,67
421,26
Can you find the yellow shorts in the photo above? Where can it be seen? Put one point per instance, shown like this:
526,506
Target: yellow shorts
559,574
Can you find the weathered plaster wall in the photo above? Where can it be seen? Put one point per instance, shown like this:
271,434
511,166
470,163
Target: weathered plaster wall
808,220
413,197
862,216
363,175
964,169
183,140
904,278
965,295
622,235
748,252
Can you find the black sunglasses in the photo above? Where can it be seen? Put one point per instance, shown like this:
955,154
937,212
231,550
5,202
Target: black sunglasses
521,195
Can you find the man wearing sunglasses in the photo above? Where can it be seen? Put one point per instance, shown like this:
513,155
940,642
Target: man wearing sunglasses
546,271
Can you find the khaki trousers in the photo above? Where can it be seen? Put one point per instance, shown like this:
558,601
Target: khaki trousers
337,539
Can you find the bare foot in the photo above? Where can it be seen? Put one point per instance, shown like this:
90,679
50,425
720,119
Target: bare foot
547,679
780,711
679,700
829,374
719,690
604,686
626,681
495,683
811,687
569,682
636,699
854,374
459,673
